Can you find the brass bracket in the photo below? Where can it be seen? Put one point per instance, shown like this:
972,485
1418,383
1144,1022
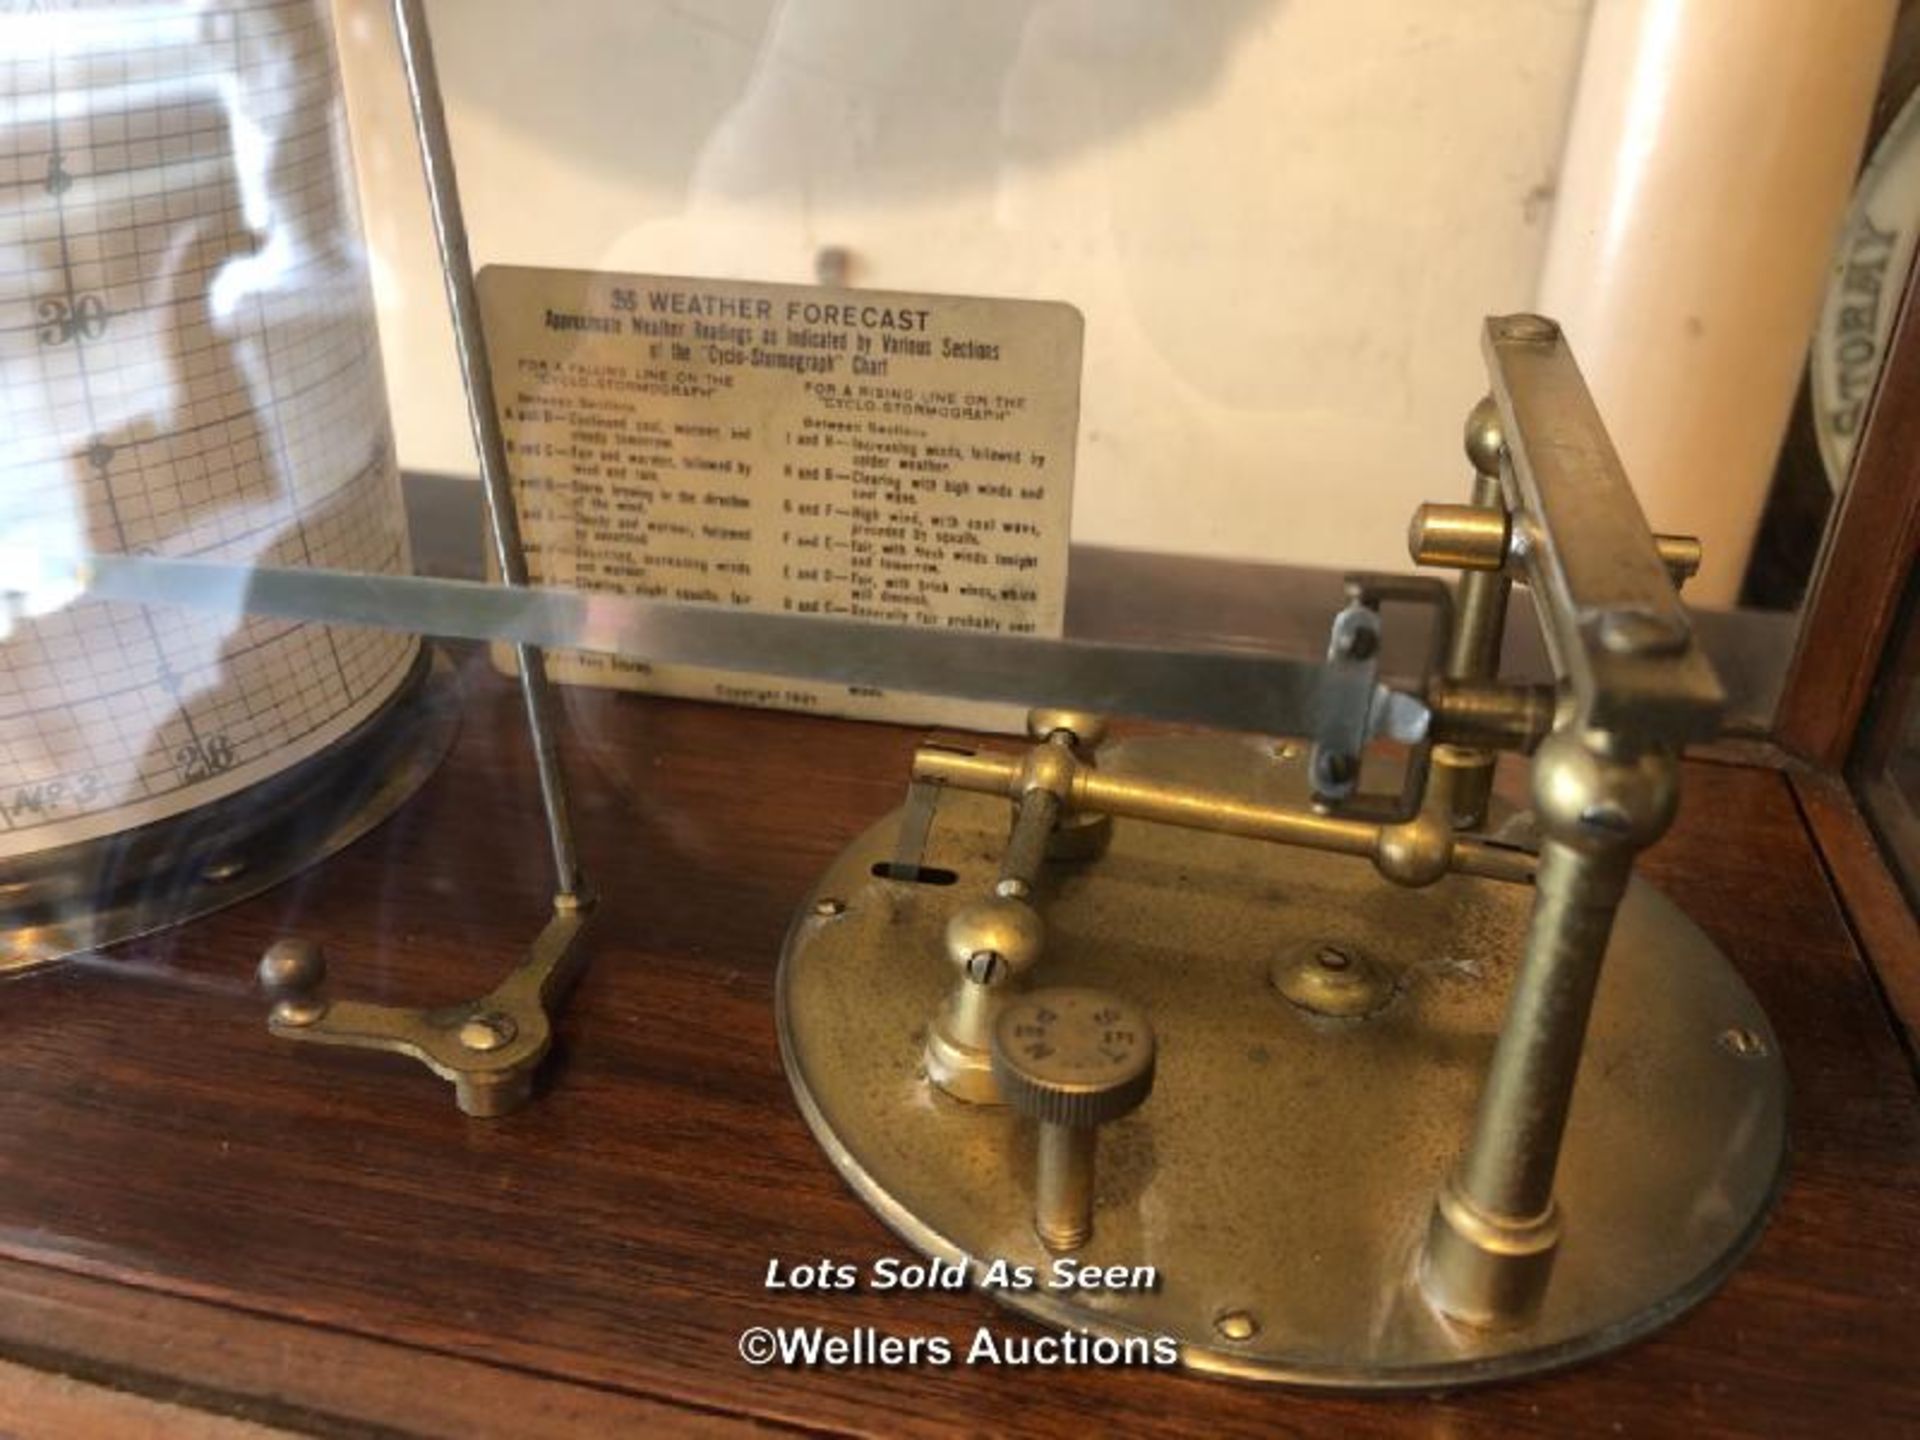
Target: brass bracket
1354,647
488,1047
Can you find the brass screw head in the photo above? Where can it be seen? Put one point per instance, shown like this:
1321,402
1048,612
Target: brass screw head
488,1032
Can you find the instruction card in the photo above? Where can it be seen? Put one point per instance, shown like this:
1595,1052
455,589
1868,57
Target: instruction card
866,454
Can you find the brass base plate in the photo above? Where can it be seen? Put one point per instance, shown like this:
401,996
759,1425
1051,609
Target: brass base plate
1281,1176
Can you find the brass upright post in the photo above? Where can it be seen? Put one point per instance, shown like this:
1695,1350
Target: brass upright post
1463,776
1494,1230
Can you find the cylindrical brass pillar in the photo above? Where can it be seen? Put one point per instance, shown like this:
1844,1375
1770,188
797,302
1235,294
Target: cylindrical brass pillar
1491,1243
1463,776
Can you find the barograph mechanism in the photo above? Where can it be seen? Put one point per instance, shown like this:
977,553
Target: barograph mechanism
1377,1096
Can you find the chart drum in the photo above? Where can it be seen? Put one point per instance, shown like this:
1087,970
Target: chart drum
189,368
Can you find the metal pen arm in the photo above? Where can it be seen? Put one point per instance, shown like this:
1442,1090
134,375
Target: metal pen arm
489,1047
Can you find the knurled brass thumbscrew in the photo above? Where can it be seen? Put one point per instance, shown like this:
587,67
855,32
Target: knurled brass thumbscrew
1073,1060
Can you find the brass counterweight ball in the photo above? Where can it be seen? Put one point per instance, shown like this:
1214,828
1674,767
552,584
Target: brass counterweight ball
1415,852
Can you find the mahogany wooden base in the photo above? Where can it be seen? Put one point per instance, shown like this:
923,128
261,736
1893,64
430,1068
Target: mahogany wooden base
191,1208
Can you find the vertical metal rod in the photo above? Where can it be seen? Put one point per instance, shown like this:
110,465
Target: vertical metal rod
1464,777
1063,1185
1033,822
1495,1229
1480,605
456,266
1509,1167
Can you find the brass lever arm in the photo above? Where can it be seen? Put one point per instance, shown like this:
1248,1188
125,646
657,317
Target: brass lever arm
1415,852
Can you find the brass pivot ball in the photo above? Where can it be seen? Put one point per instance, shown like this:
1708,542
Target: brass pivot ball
995,940
1073,1060
1585,798
1486,441
991,943
1078,834
1087,730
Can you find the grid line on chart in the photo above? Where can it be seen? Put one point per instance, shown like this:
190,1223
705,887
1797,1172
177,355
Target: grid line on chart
183,374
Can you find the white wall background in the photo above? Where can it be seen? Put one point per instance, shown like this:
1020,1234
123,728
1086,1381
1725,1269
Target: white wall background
1283,219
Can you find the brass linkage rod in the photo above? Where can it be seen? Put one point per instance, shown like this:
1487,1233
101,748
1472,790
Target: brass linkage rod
1415,852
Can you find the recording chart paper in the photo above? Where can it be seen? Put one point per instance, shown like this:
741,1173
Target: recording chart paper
188,368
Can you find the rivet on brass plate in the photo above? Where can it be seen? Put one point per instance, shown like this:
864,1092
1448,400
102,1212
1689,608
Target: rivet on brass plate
1236,1325
298,1012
